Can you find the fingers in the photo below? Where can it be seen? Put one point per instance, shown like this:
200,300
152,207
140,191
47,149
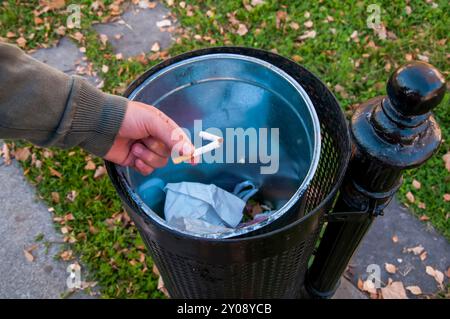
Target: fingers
161,127
143,168
148,157
156,146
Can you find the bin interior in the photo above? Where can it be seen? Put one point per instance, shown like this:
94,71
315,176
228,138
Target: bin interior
234,91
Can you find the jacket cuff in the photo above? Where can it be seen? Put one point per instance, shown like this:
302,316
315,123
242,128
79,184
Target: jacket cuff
98,117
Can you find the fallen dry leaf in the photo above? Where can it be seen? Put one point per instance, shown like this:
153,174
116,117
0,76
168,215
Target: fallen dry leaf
308,35
6,154
164,23
155,270
438,275
55,197
22,154
21,42
52,4
100,172
415,250
395,239
155,47
103,39
415,290
28,255
422,205
71,196
390,268
242,29
424,218
410,197
309,24
90,165
257,2
395,290
66,255
446,197
294,26
105,69
416,184
423,256
446,159
369,287
447,273
162,288
54,172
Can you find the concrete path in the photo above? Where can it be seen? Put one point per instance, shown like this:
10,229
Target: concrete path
400,239
23,219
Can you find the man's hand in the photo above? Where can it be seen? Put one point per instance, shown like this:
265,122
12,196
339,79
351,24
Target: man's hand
144,140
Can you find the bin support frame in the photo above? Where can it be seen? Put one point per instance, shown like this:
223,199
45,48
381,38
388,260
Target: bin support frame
389,134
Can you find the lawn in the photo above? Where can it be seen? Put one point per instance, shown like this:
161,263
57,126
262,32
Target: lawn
331,38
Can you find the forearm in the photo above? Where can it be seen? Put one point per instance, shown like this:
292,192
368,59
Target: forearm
50,108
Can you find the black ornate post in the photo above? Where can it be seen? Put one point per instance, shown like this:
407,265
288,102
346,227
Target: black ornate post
389,134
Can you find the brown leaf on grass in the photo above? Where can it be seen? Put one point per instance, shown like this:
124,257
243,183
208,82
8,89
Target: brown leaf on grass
10,35
390,268
307,35
22,154
72,195
55,197
416,184
242,29
52,4
100,172
92,229
424,218
162,288
21,42
155,270
410,197
309,24
256,2
90,166
280,17
394,290
69,217
294,25
438,275
446,159
54,172
28,255
446,197
422,205
415,290
341,90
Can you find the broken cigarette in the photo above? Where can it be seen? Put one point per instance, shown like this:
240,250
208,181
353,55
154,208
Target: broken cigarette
216,141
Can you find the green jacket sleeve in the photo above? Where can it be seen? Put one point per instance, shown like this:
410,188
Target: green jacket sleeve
49,108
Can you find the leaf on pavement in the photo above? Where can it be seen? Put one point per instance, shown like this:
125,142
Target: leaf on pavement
438,275
415,290
415,250
394,290
390,268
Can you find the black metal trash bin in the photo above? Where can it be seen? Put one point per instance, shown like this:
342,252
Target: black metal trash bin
270,262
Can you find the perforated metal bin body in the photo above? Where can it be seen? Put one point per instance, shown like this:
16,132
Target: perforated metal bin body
269,263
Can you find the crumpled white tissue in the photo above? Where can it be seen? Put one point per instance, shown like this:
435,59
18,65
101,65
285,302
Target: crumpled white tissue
202,208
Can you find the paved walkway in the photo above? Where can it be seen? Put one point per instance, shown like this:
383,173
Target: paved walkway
23,217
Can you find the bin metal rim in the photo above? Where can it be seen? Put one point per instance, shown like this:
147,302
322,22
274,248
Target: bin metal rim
258,54
315,153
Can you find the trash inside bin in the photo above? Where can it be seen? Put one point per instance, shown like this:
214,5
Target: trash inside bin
271,260
228,94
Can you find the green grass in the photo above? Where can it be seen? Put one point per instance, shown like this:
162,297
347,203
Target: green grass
113,252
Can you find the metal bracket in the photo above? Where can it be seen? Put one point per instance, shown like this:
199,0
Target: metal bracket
345,216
